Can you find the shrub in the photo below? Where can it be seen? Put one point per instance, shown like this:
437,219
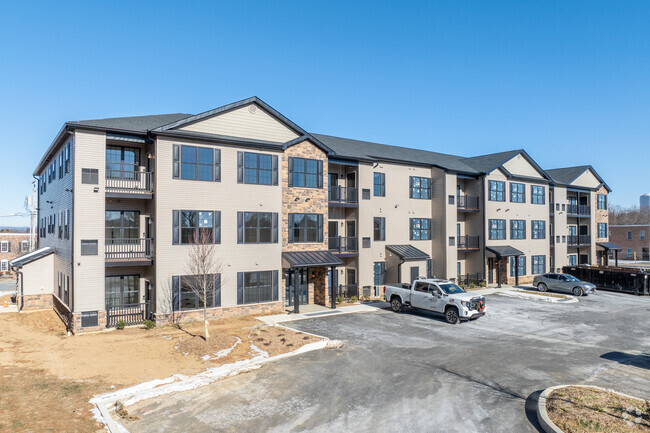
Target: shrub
149,324
481,284
339,299
121,325
354,299
366,297
472,285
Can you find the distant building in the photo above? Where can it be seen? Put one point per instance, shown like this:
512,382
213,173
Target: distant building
12,245
644,202
634,241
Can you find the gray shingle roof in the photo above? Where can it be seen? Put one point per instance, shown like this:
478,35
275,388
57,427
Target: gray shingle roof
134,123
566,175
609,246
407,252
487,163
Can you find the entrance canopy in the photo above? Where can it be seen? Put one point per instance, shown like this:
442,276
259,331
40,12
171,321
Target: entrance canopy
609,246
504,251
310,259
407,252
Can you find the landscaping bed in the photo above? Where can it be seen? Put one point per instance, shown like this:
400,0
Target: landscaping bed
550,295
577,409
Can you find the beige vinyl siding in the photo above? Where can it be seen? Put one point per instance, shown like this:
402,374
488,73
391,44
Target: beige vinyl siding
39,276
587,180
519,166
244,123
89,207
438,223
226,196
365,273
560,227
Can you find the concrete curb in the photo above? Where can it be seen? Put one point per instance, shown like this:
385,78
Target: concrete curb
178,383
516,293
350,309
542,416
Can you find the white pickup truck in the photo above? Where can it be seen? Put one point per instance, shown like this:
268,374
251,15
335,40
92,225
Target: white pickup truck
436,295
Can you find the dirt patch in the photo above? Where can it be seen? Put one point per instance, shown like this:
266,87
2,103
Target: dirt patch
550,295
585,410
35,347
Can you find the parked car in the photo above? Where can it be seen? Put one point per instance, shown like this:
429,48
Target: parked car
436,295
563,283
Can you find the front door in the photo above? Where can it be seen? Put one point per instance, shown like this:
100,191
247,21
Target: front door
415,273
490,270
301,282
333,186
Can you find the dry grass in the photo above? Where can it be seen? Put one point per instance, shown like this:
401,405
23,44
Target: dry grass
41,364
585,410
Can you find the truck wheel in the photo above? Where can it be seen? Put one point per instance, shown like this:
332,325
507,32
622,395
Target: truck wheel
541,287
577,291
396,304
451,314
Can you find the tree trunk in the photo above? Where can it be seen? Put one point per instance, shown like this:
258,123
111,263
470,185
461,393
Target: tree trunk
205,323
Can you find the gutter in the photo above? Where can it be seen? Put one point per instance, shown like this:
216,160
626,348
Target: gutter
19,274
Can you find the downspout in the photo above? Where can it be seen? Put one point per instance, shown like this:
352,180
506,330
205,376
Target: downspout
19,274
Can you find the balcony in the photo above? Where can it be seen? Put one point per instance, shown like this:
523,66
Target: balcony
578,210
129,183
579,240
129,252
343,245
467,243
467,203
343,196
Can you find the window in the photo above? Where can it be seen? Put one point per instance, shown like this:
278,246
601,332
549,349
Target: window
365,194
88,247
66,225
24,246
420,229
122,225
602,202
557,239
602,230
629,252
563,207
429,268
379,273
573,260
305,227
452,199
257,168
365,242
89,319
257,227
42,184
522,266
66,158
539,264
517,229
305,173
193,226
497,190
539,229
185,298
379,184
517,192
4,266
420,187
537,194
256,287
564,239
61,164
629,235
641,234
197,163
90,176
380,228
122,289
497,229
452,241
4,247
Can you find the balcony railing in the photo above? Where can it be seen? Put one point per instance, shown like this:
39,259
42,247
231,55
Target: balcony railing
341,244
579,240
467,203
467,279
578,209
346,291
126,249
125,181
343,194
130,314
467,243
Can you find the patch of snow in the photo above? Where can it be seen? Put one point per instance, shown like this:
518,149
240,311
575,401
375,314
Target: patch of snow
226,352
260,352
518,294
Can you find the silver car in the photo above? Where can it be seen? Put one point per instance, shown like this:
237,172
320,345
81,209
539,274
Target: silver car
563,283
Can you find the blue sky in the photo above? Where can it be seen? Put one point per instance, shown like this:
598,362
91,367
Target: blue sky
567,81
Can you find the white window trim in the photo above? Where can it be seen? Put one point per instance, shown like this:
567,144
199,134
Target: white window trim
4,266
4,247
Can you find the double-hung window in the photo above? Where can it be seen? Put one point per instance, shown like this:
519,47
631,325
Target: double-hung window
497,229
539,264
305,173
66,158
197,163
602,230
379,273
602,201
257,227
517,229
257,168
4,247
522,266
24,246
195,226
517,192
305,228
539,229
379,228
256,287
497,190
4,266
379,184
420,229
420,187
537,194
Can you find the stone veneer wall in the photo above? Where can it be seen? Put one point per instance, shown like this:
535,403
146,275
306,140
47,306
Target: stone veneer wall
220,313
35,302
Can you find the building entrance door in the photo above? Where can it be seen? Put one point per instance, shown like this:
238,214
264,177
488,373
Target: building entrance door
301,282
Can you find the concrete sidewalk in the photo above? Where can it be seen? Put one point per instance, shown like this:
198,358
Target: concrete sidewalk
322,312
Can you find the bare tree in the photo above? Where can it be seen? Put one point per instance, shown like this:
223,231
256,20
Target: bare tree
619,215
201,272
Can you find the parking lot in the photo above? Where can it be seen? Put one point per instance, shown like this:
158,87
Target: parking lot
413,372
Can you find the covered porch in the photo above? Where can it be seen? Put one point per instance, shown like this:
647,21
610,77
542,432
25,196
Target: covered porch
310,278
498,263
603,253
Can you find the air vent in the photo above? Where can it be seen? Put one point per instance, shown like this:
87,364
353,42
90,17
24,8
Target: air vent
252,108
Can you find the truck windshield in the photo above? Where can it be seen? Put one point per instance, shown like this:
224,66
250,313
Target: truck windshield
451,288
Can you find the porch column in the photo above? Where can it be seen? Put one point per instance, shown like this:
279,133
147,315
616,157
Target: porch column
296,297
516,270
499,272
333,287
616,258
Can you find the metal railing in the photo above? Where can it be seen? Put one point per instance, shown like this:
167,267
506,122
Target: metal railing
343,194
579,240
467,242
130,314
466,202
578,209
126,181
343,244
467,279
136,248
346,291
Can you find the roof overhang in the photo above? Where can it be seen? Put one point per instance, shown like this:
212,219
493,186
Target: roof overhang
21,261
504,251
221,139
309,259
407,252
609,246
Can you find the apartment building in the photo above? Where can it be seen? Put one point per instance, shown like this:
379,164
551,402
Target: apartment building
12,245
295,217
634,240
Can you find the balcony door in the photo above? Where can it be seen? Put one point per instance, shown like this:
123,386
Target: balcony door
122,290
122,162
122,227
